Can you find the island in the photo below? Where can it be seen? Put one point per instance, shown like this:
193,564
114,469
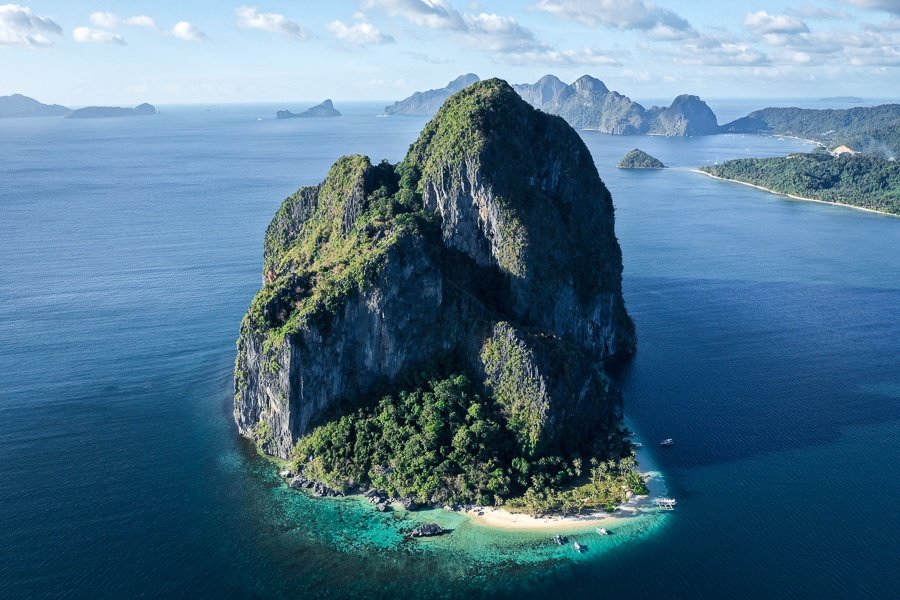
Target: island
856,180
323,110
866,129
109,112
18,105
437,331
428,102
586,104
638,159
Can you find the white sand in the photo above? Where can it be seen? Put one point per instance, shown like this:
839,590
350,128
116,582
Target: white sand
793,197
503,519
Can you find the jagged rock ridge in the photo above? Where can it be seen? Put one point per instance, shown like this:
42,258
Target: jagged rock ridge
490,250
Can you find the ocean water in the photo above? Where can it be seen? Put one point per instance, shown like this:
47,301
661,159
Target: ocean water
769,348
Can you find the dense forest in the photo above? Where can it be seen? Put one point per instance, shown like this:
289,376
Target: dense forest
445,443
867,129
859,180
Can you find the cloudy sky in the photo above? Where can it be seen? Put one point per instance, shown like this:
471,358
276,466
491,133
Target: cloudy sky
107,51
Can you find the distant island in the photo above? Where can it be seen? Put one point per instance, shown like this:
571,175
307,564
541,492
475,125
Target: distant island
587,104
638,159
325,109
866,129
18,105
427,103
110,112
857,180
434,331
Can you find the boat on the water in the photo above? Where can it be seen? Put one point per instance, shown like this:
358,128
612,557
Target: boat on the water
636,445
603,531
667,442
665,503
578,547
559,539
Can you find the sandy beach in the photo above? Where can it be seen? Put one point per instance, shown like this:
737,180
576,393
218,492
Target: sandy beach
793,197
503,519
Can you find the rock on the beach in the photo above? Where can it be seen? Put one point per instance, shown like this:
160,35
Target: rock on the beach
427,530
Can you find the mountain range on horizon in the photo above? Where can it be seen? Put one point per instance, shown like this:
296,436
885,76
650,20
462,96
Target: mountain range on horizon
586,103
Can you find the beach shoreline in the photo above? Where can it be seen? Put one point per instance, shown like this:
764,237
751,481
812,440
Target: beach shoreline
793,197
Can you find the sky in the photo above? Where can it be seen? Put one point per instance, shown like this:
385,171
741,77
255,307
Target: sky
80,52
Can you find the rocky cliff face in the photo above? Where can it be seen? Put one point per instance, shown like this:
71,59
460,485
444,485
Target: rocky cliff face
686,116
490,250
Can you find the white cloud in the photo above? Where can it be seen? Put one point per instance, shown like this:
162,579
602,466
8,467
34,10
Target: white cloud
889,25
809,11
249,17
19,26
762,23
142,21
550,57
108,20
891,6
719,50
433,14
358,34
187,32
86,35
617,14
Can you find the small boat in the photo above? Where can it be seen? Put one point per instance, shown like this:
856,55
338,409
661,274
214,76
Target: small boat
667,442
636,445
578,547
560,540
665,503
603,531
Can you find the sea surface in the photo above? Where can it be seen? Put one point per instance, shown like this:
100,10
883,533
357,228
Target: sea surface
769,349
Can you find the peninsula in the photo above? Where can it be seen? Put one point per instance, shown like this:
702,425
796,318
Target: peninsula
855,180
325,109
436,331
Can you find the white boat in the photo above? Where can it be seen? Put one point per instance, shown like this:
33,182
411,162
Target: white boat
602,531
637,445
578,547
665,503
667,442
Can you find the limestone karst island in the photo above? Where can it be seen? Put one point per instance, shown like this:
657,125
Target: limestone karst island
435,331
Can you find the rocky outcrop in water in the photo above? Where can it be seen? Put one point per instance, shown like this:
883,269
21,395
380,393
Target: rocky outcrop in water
325,109
489,250
638,159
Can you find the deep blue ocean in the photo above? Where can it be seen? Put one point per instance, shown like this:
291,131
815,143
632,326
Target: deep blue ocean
769,348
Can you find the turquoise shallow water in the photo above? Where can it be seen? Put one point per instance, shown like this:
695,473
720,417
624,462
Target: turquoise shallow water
768,349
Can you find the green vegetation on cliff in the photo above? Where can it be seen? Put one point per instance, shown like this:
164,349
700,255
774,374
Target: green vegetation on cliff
638,159
447,443
489,251
858,180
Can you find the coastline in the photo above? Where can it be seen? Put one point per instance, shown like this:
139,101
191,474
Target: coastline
499,518
793,197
